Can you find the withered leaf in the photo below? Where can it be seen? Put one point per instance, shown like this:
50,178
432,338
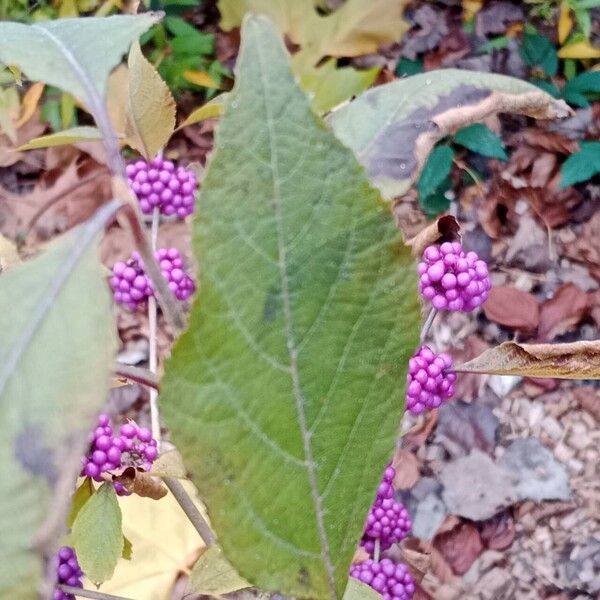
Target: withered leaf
563,311
460,547
512,308
407,469
576,360
141,483
444,229
498,532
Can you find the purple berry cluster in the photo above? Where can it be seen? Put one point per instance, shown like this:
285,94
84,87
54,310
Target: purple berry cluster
392,580
132,287
452,279
133,447
388,521
160,184
68,572
429,380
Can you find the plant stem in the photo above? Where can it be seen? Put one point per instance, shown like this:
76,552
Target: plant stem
143,376
154,414
81,593
191,510
428,323
376,550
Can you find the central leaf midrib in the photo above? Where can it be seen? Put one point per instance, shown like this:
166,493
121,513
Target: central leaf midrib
289,335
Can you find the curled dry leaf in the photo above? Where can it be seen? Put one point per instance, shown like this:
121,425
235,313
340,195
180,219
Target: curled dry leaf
498,532
512,308
460,547
576,360
563,311
141,483
444,229
417,556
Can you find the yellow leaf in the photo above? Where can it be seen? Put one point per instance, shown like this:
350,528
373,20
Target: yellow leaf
565,22
164,544
117,95
16,73
214,108
200,78
68,8
61,138
581,49
30,102
577,360
150,118
470,9
9,255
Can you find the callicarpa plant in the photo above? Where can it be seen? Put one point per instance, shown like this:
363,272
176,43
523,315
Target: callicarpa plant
298,343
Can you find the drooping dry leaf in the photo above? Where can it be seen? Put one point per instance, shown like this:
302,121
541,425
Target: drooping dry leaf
512,308
141,483
165,544
563,311
589,400
150,118
576,360
460,546
444,229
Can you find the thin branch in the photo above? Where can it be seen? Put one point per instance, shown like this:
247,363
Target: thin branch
154,414
428,323
81,593
137,375
191,510
59,196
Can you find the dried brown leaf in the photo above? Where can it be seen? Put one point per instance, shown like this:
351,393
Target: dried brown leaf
563,311
417,436
444,229
589,400
407,469
512,308
498,532
576,360
460,547
141,483
541,139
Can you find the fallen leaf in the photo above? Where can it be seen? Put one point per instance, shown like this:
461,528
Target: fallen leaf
512,308
463,426
576,360
498,532
407,469
539,476
589,400
416,555
417,436
469,386
460,547
586,248
165,544
581,50
543,139
563,312
476,487
444,229
565,22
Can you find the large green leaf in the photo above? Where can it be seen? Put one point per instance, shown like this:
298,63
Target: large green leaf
56,350
393,127
72,54
285,394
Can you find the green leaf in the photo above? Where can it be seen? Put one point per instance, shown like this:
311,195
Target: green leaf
82,494
436,203
436,170
546,86
214,108
576,89
406,66
291,374
481,139
200,44
127,549
538,51
392,128
212,575
72,54
56,355
98,536
581,166
61,138
357,590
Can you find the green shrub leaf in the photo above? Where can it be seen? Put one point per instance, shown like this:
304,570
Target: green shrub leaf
481,139
393,127
357,590
285,394
82,494
72,53
538,51
97,534
56,355
212,575
436,170
582,165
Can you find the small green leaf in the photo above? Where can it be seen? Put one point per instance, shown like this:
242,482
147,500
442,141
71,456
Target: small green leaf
437,203
82,494
577,90
436,170
406,67
547,86
97,534
214,108
212,575
538,51
582,165
61,138
357,590
481,139
127,549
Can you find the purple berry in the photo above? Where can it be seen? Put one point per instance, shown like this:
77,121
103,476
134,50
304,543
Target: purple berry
159,184
392,580
452,279
388,522
68,572
139,447
429,381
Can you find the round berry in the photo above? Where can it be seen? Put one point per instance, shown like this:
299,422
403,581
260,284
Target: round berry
68,572
392,580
